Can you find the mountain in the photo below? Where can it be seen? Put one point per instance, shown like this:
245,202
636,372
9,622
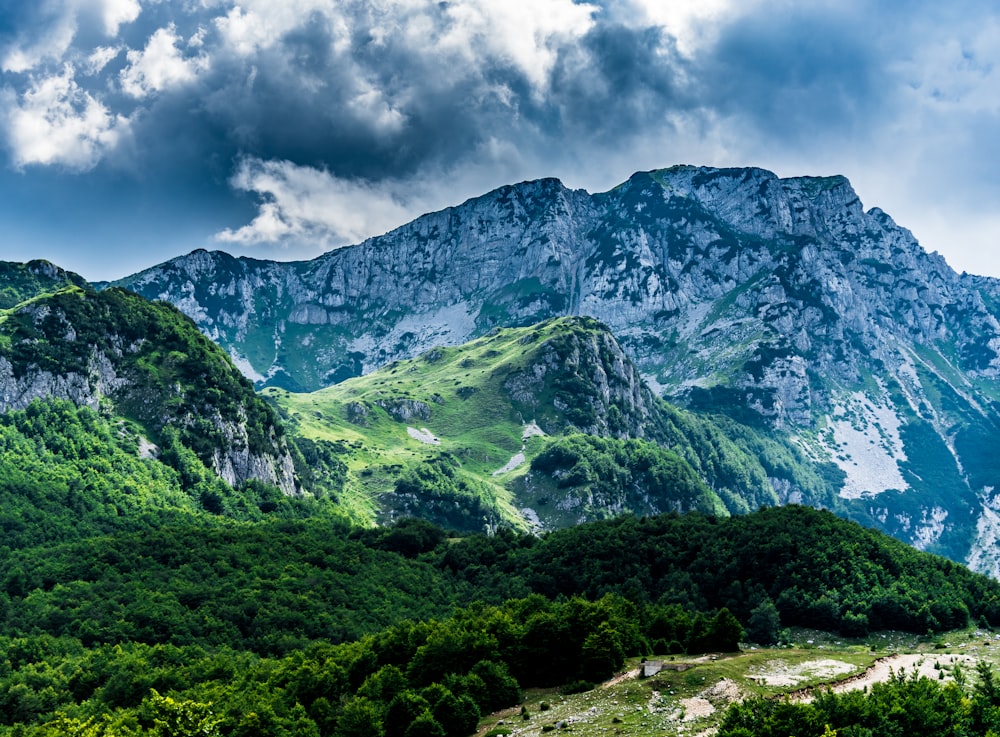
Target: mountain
781,303
24,281
120,355
538,427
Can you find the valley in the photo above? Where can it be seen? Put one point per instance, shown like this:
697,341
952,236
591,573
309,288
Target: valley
493,460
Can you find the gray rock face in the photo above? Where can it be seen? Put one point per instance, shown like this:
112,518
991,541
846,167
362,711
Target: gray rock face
594,383
697,271
236,463
776,301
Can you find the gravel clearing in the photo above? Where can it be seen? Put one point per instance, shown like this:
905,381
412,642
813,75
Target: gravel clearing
780,673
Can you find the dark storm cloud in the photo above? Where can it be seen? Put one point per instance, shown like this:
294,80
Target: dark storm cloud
618,82
381,100
360,111
391,107
800,74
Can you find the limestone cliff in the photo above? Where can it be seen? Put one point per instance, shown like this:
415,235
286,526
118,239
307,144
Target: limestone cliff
782,303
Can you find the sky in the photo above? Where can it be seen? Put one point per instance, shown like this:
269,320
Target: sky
133,131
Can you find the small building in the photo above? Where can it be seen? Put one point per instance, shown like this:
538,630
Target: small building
651,668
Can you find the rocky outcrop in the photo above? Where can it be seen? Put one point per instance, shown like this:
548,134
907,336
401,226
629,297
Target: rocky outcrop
236,463
116,352
405,410
85,390
582,380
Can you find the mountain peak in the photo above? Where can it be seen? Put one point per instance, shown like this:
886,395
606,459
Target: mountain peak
21,282
779,302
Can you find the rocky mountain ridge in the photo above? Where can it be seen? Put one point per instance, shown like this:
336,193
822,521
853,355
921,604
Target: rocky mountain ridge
780,302
667,260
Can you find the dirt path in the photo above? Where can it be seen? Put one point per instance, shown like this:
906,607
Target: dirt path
621,677
883,669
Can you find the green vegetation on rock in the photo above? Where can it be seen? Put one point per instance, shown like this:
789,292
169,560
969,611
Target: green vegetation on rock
145,362
542,426
20,282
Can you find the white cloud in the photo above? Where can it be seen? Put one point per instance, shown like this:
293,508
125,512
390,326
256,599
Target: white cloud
253,25
369,103
160,66
115,13
453,37
692,23
56,122
51,44
59,23
527,33
100,58
306,204
244,33
959,72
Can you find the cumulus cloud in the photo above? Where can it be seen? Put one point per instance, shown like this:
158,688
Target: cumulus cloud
47,29
56,122
160,66
526,33
304,204
100,58
51,43
114,13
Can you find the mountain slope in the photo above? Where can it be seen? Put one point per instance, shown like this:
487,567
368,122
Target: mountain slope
114,351
543,426
780,302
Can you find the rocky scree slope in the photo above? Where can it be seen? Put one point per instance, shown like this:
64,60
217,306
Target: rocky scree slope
780,302
115,351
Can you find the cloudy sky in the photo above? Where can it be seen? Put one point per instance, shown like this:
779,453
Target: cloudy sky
136,130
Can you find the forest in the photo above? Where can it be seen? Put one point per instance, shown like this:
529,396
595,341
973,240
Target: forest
129,608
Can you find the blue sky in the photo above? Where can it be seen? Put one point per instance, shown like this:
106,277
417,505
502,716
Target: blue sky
136,130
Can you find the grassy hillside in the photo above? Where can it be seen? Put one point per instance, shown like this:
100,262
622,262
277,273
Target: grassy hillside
20,282
537,427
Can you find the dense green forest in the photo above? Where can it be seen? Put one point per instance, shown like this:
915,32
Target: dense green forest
140,597
309,626
905,705
70,473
